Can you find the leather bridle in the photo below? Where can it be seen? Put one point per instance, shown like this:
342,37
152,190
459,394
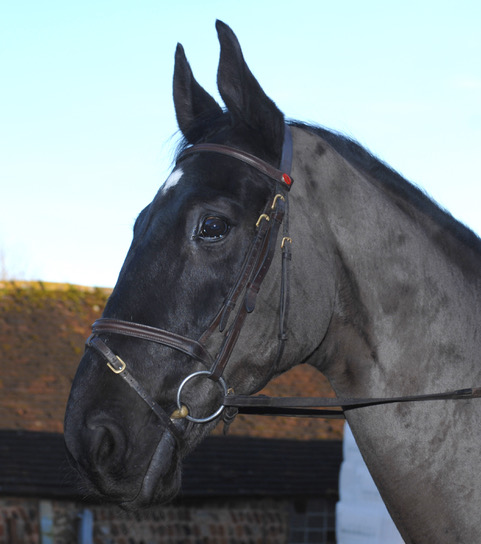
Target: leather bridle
243,296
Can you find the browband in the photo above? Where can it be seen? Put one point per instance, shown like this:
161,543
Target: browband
279,175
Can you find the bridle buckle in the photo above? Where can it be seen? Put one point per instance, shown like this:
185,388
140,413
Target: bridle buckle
117,369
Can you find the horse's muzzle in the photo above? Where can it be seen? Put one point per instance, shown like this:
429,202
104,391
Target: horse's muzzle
133,469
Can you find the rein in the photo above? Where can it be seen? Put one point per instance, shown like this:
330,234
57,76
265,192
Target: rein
331,408
245,289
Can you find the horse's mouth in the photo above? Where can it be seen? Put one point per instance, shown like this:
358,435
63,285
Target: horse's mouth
161,481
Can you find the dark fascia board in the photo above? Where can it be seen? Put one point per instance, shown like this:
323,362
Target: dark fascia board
34,464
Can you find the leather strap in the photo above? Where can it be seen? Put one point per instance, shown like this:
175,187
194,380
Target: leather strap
252,277
190,347
277,175
250,261
266,256
119,367
336,407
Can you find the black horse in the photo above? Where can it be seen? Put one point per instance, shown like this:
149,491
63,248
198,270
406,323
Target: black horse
383,297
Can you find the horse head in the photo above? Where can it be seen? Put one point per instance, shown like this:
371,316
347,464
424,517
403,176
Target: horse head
192,251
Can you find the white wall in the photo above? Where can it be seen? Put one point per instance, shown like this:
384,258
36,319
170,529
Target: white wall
361,517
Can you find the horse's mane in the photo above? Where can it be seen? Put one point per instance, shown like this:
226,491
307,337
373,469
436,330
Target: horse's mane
394,183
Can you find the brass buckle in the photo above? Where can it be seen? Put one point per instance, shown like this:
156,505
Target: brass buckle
117,370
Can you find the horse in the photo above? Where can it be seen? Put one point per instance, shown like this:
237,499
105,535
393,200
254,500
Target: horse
375,286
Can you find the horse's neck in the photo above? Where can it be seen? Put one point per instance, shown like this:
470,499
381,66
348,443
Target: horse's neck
404,321
403,300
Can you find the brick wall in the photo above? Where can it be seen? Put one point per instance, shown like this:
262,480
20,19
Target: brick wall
19,521
232,521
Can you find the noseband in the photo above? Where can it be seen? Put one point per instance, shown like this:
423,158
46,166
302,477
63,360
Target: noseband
245,289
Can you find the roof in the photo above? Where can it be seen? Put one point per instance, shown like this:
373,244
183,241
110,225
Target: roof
43,327
35,464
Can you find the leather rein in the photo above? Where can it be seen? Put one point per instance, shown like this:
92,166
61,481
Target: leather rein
243,296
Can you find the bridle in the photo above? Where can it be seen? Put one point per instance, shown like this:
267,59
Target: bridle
243,296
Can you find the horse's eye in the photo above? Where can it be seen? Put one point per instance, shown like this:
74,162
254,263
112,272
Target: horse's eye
214,228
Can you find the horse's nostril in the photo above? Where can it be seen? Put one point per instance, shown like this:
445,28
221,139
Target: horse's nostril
108,444
103,445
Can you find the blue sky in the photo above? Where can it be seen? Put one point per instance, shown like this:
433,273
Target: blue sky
87,125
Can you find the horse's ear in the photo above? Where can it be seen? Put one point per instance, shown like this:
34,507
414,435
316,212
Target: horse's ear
192,103
242,94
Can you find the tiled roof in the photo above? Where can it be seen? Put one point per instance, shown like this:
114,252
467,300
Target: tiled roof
42,332
34,464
